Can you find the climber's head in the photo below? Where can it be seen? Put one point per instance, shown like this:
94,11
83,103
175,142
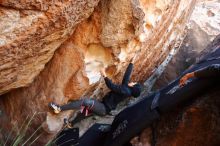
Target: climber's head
135,89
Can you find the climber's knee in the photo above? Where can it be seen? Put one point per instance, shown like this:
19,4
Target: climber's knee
99,109
88,102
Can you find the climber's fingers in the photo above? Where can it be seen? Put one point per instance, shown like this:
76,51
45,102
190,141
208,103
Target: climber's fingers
133,59
183,80
102,71
135,56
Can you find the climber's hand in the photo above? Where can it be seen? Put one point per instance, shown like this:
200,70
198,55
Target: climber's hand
102,71
184,79
134,58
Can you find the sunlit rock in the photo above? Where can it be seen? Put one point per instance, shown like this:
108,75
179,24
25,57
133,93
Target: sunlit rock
109,38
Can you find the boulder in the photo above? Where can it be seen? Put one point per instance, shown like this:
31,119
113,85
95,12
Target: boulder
109,38
30,33
197,122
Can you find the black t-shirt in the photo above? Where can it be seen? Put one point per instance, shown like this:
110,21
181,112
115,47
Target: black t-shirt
118,92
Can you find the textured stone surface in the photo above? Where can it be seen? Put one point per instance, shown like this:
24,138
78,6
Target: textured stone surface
196,124
206,15
28,38
109,38
202,29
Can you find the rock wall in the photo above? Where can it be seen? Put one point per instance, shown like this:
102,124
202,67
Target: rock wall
30,33
195,124
202,29
116,30
198,122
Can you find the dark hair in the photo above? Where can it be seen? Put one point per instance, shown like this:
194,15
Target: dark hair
136,90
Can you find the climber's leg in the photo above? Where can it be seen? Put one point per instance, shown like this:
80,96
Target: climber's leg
90,104
72,105
94,106
69,106
99,108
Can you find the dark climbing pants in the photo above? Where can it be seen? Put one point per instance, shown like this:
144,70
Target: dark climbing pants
94,105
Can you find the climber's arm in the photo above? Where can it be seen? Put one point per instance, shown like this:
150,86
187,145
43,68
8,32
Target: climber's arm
127,74
113,87
210,71
128,71
207,72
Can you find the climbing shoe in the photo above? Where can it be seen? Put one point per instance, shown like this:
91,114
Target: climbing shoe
56,108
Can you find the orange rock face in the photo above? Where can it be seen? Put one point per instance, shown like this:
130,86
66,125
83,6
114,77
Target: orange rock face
30,33
109,38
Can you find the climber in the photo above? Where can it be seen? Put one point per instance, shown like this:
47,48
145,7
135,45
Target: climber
132,120
117,94
210,71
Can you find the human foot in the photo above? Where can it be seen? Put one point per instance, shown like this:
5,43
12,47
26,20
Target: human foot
56,108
